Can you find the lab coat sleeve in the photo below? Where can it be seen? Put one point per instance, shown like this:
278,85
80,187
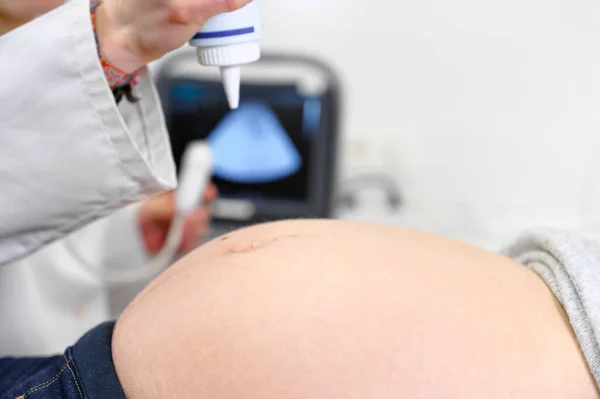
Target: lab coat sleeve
68,154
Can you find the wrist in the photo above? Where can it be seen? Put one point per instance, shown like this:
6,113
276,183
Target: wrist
115,43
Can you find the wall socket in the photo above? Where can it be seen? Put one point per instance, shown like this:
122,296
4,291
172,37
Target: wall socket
362,154
391,152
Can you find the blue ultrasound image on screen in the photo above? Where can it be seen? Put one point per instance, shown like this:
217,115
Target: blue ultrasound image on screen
251,146
262,150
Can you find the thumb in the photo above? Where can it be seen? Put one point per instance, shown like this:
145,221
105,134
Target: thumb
231,5
196,12
153,238
158,209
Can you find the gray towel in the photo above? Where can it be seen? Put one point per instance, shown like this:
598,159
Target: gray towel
569,263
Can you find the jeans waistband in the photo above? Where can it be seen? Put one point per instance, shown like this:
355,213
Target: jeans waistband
92,358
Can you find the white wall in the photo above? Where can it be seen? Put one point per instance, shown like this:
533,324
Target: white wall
489,110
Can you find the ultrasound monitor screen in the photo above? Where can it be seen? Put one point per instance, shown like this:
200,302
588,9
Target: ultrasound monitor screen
262,150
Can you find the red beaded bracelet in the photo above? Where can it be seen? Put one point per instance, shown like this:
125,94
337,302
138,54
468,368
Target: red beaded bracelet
115,77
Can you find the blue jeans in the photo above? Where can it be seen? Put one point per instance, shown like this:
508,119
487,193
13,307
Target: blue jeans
85,371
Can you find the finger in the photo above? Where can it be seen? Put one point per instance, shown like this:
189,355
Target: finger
190,241
214,7
203,227
154,238
158,209
196,12
210,194
232,5
196,225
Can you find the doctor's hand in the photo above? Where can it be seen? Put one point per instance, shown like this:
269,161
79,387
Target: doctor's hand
156,214
133,33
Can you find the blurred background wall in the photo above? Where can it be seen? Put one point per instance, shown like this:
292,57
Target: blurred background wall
485,112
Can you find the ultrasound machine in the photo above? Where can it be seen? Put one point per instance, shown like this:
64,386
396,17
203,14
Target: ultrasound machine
275,157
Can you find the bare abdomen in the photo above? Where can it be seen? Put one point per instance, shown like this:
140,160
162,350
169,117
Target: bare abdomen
319,309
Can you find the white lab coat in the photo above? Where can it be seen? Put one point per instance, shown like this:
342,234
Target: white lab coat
68,156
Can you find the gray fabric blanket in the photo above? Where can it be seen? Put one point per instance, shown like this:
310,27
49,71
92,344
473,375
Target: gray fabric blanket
569,262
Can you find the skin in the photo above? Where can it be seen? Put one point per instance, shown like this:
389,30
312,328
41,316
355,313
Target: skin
315,309
14,13
329,309
133,33
156,214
